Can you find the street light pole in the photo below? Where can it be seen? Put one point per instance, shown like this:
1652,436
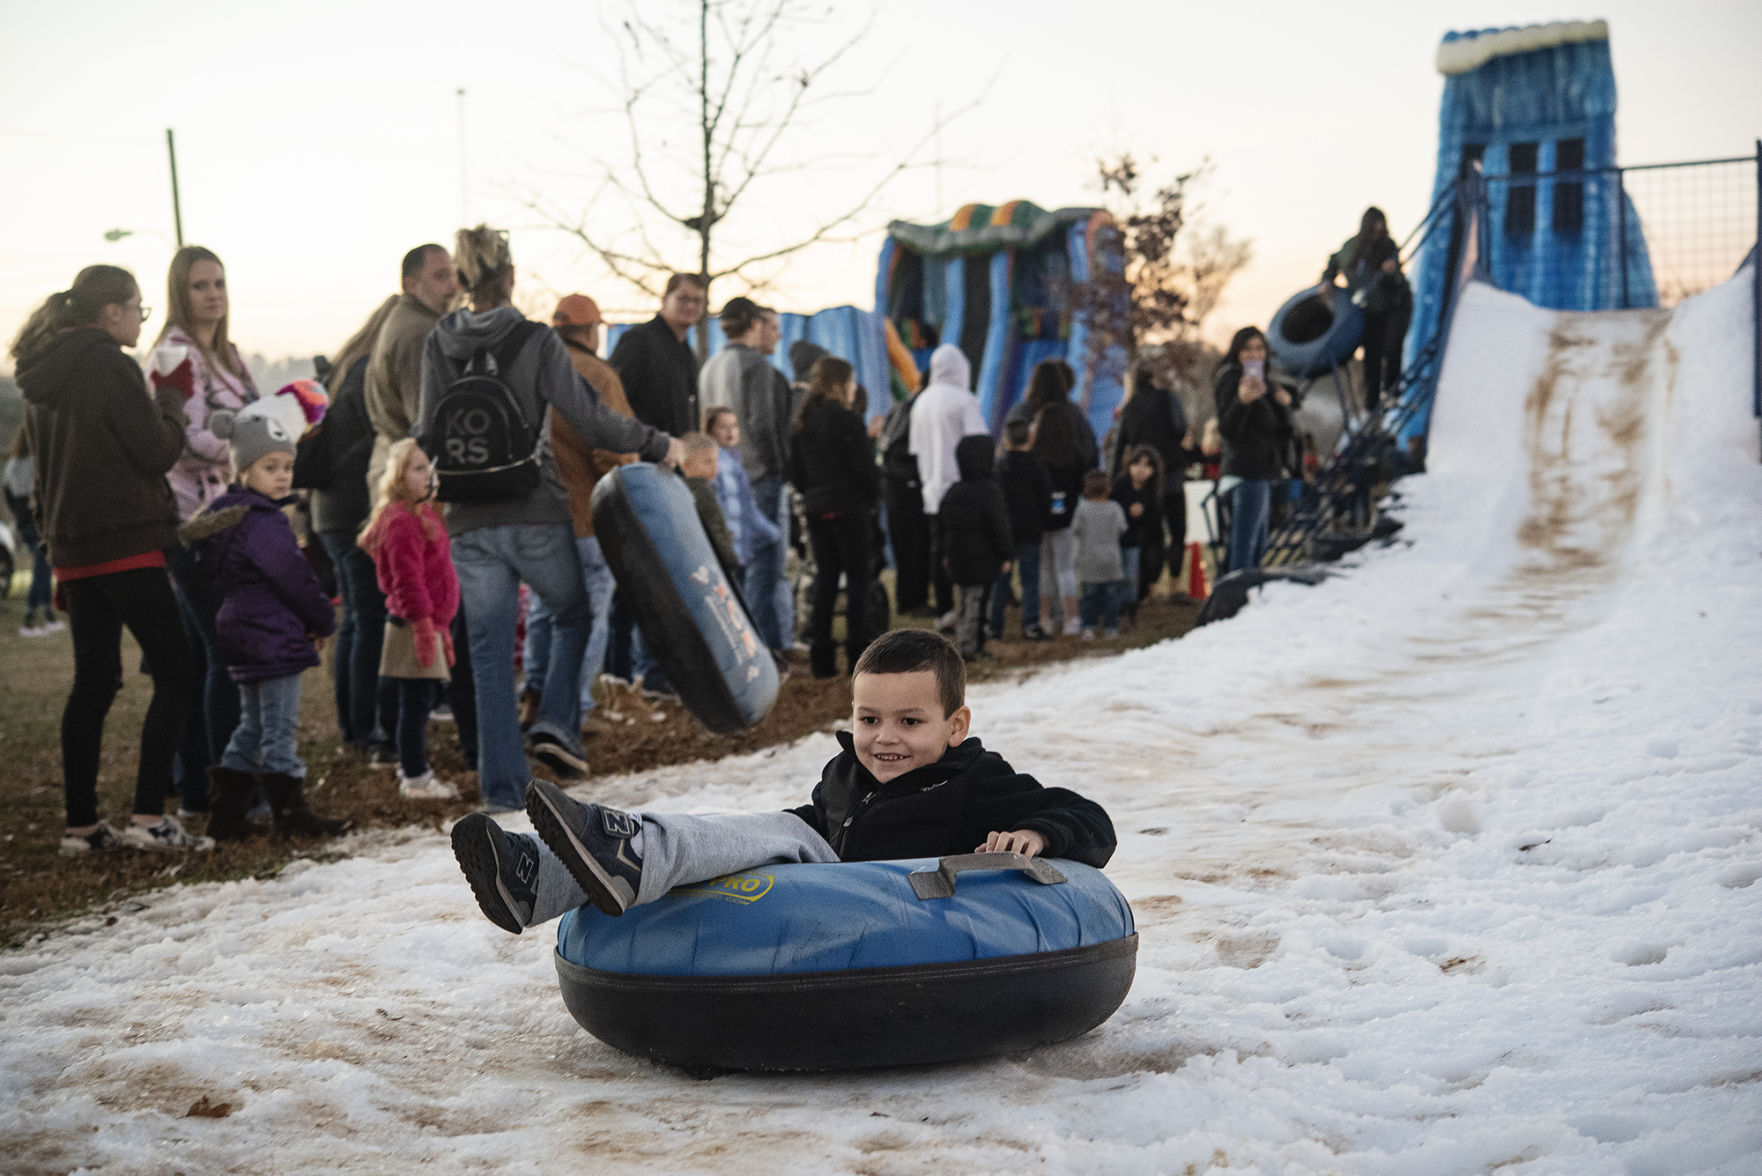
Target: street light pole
464,214
177,212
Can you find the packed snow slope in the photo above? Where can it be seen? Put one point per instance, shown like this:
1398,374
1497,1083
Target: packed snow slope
1446,866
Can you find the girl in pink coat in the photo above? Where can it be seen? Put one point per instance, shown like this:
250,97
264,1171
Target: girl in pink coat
411,552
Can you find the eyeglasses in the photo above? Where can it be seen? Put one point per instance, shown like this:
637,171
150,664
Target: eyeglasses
146,313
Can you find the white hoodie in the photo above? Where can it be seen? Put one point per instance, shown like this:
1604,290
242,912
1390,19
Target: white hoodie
943,413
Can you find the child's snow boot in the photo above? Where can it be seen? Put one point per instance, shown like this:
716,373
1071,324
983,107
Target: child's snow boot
229,799
287,800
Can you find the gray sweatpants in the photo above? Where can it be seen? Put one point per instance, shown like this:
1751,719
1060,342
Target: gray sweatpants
678,848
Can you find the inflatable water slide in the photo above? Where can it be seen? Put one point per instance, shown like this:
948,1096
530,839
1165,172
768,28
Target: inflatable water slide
1533,111
997,282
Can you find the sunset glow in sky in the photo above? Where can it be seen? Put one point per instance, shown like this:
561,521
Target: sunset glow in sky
317,144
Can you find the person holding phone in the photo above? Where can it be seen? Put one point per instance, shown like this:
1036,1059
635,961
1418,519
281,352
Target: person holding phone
1254,420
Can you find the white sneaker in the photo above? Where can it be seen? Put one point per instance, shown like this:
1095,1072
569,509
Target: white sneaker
167,834
426,787
52,626
99,840
33,631
1073,626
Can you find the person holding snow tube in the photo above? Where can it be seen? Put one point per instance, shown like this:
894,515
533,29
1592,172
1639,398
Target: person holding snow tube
488,378
1371,263
1254,420
909,781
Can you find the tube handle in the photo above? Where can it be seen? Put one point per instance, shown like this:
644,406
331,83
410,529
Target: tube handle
939,883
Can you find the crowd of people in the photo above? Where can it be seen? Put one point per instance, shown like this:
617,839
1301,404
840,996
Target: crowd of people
157,500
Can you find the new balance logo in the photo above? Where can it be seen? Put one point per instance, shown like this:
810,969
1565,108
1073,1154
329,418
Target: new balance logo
619,824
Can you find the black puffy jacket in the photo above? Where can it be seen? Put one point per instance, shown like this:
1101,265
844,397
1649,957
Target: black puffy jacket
1257,437
949,807
974,520
832,462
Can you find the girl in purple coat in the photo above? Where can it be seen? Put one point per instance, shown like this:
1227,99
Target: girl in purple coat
273,615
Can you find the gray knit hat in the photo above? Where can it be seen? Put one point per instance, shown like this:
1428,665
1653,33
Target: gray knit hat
251,434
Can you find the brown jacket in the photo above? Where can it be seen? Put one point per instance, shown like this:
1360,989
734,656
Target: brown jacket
103,444
580,465
394,379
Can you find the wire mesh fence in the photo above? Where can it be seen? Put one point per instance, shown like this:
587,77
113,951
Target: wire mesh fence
1620,238
1699,222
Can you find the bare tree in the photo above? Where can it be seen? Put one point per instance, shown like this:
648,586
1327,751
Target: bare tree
708,118
1158,275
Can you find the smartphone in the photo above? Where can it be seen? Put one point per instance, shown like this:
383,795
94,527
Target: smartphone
1254,369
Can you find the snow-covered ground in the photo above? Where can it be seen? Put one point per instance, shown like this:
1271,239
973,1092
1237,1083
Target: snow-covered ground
1445,866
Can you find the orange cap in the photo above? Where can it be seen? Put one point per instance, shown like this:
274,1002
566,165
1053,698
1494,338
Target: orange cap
576,310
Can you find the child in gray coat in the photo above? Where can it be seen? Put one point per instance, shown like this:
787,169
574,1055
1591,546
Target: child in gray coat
1097,527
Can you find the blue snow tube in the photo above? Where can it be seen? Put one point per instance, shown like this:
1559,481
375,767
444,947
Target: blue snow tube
692,618
1315,333
854,964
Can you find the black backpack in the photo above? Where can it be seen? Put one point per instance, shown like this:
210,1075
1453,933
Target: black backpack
484,449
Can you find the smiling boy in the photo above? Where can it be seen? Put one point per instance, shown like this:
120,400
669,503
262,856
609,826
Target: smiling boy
908,782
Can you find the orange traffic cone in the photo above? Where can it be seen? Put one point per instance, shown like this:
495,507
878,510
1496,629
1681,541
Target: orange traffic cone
1196,586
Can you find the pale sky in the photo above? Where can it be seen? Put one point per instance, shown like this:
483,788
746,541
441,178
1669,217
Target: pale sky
317,142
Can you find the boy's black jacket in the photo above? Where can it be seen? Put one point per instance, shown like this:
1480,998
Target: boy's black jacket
974,519
948,808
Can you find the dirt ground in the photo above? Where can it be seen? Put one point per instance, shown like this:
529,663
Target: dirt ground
38,887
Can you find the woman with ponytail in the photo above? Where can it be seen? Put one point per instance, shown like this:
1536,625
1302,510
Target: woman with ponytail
520,532
103,445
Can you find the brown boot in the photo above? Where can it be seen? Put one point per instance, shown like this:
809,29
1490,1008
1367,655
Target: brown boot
229,799
287,800
528,703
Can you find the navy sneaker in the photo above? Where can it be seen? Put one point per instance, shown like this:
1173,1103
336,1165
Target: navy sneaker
556,755
502,868
593,841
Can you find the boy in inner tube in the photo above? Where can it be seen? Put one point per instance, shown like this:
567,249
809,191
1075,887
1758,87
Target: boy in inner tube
908,782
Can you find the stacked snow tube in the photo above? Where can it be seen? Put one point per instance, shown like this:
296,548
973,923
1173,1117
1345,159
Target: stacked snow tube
854,964
692,619
1314,333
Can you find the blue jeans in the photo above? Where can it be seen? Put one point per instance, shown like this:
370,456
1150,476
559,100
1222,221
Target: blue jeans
1250,509
491,562
1131,560
1028,570
765,583
42,591
416,698
598,575
264,738
1099,606
365,705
